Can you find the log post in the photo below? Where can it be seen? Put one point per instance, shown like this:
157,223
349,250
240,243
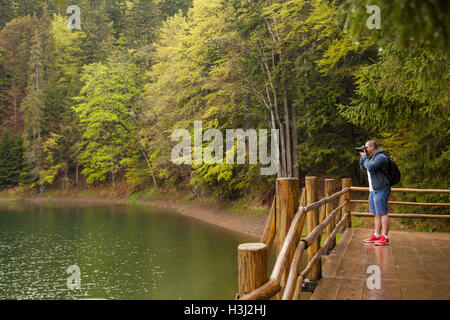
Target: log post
329,189
287,201
312,218
252,264
347,182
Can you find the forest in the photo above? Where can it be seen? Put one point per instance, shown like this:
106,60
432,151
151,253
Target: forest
94,105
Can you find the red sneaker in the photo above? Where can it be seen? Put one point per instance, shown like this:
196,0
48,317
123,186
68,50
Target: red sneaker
382,242
371,239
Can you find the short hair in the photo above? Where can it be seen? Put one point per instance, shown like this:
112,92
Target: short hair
372,143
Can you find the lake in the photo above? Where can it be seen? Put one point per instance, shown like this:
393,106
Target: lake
122,252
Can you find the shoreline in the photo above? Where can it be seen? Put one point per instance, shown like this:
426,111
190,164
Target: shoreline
246,224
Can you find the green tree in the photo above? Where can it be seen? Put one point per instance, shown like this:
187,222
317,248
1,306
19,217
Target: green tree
193,79
32,109
7,13
11,159
168,8
143,19
109,115
116,10
28,7
63,83
15,43
325,139
63,80
404,23
258,65
98,28
408,103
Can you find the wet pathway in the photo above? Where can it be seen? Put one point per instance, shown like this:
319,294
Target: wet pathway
416,265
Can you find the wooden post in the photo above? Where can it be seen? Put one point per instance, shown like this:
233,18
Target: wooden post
347,182
312,218
329,189
287,199
298,288
322,214
252,263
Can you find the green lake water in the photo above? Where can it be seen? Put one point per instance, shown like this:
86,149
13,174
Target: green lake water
122,251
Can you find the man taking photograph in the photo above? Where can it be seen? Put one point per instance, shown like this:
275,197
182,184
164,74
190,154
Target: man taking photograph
376,163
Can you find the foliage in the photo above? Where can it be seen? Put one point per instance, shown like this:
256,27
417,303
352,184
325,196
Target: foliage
109,116
404,96
401,97
11,159
404,23
103,101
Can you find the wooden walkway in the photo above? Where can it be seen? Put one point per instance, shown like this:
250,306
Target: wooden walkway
416,265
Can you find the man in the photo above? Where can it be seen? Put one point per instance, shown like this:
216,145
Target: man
376,163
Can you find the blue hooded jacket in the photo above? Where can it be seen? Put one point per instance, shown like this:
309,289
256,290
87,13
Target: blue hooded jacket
377,165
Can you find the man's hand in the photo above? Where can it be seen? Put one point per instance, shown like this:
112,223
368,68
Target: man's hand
362,154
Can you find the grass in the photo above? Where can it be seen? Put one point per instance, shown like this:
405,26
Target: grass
324,237
247,206
414,225
10,196
154,194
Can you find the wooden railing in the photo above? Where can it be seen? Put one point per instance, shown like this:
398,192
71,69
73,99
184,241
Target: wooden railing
286,280
285,225
406,215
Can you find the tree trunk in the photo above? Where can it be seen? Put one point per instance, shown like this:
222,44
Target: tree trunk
76,174
282,139
288,134
15,112
294,141
272,118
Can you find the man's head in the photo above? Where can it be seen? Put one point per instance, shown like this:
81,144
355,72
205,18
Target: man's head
371,147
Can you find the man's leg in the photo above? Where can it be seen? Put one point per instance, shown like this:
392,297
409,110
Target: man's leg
378,224
385,224
381,204
385,218
373,210
377,220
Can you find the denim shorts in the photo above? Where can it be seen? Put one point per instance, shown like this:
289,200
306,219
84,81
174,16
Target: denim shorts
378,201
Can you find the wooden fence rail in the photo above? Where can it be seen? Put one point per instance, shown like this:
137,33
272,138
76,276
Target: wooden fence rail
274,285
408,203
285,227
405,215
444,191
304,244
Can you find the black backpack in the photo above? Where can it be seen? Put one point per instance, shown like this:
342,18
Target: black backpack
392,172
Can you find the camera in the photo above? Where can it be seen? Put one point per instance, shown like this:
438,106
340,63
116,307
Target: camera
361,149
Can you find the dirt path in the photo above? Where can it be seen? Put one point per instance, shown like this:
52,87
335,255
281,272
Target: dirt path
246,224
250,225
